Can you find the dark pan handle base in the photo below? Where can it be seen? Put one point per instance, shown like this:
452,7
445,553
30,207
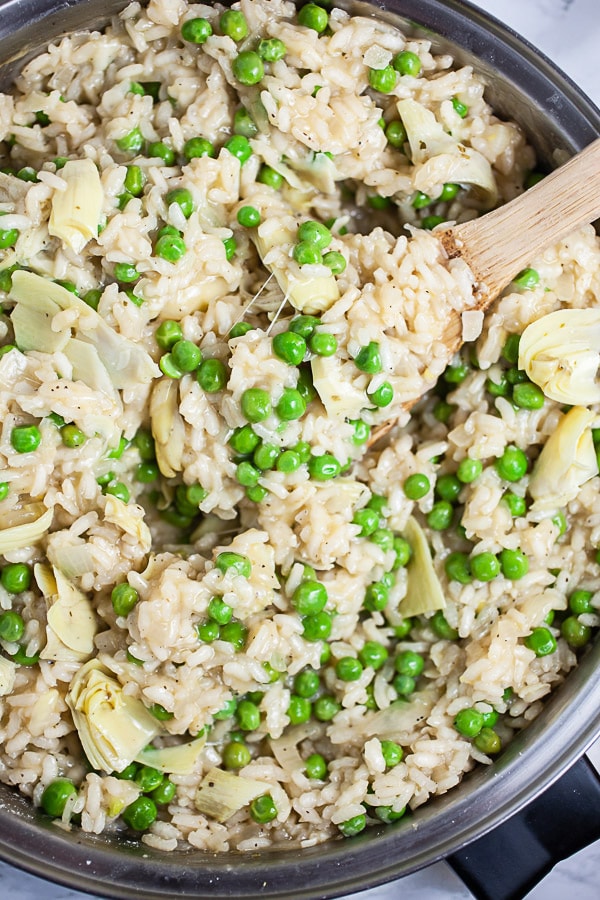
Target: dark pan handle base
509,861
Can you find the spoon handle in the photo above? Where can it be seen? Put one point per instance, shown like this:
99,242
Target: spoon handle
498,245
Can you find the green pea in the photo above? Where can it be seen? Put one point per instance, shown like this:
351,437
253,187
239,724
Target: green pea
575,633
27,173
527,279
247,715
55,795
313,232
302,450
580,602
512,465
8,238
383,538
367,519
409,663
16,577
164,793
528,396
25,438
420,200
376,597
387,814
234,562
129,772
443,410
469,470
291,405
247,474
219,611
184,200
373,654
348,668
248,217
309,597
126,273
335,261
383,80
266,456
144,443
212,376
170,247
323,467
123,597
541,641
304,325
299,709
270,177
248,67
307,254
460,108
315,766
514,564
271,50
395,133
307,683
440,516
560,521
228,710
233,23
186,355
208,631
243,124
288,462
458,567
236,755
234,633
140,814
147,472
4,490
160,150
313,17
135,180
263,809
325,708
168,334
441,627
12,626
132,142
516,504
148,778
407,63
240,329
532,179
322,343
416,486
317,627
510,350
21,658
449,192
244,440
468,722
197,147
383,395
256,404
290,347
92,298
256,494
368,359
485,566
392,753
431,222
488,741
353,826
196,31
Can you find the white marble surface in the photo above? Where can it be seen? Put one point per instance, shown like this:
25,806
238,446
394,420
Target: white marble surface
567,31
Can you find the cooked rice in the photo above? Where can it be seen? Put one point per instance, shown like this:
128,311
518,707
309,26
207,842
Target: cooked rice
76,101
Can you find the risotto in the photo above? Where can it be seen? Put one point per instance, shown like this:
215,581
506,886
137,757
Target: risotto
231,617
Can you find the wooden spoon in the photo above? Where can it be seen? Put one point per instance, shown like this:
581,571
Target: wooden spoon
498,245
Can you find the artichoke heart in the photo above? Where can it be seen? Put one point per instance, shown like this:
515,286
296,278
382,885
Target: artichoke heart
113,727
168,427
423,589
567,461
8,670
71,623
340,398
440,158
76,211
27,526
221,793
561,353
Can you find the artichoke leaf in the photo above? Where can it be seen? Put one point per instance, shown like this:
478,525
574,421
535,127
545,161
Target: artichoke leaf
561,353
32,324
113,727
126,362
340,398
75,211
26,528
567,461
221,793
440,158
129,517
423,589
8,670
402,718
71,623
168,428
180,759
